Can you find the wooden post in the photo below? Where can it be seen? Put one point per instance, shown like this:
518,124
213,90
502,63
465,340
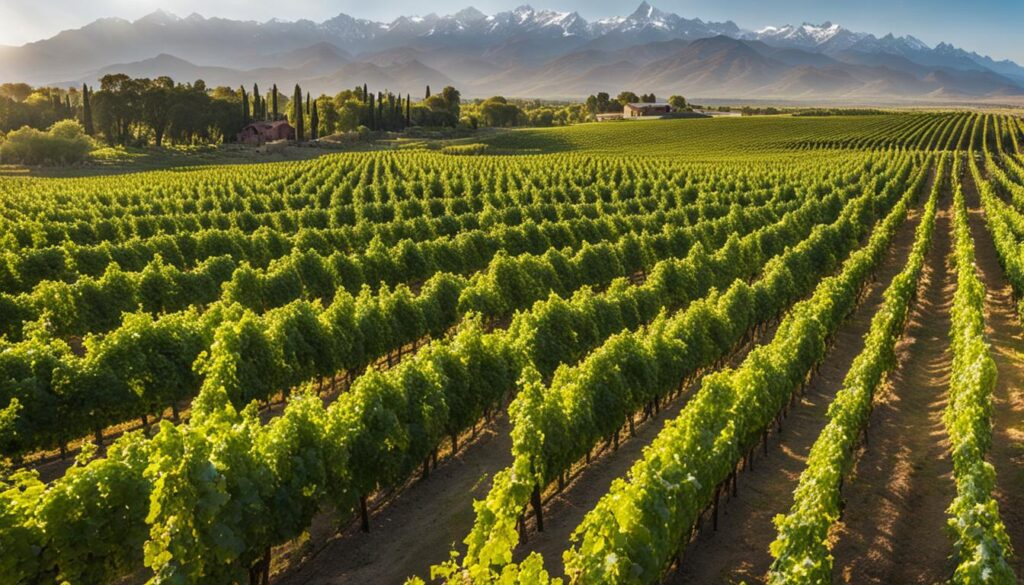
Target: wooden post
538,508
364,514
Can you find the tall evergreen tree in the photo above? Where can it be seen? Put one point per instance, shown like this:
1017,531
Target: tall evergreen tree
245,108
309,111
86,110
314,120
365,94
257,110
273,100
300,134
370,113
408,111
428,93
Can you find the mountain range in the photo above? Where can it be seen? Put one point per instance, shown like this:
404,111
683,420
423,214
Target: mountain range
523,52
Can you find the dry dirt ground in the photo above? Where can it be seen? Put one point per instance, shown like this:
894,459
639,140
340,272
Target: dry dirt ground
418,527
893,526
1005,335
738,550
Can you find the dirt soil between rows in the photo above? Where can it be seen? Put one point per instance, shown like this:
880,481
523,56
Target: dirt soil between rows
1006,337
893,527
417,528
739,549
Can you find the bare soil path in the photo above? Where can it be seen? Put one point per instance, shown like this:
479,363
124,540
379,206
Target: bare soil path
419,527
1005,335
893,527
738,550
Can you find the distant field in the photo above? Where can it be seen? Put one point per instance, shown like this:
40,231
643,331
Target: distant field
767,349
740,137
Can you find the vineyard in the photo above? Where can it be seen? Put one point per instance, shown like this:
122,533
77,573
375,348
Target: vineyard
771,349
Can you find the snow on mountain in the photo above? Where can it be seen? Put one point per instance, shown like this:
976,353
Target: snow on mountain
512,47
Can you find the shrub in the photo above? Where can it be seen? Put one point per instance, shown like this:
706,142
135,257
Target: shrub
64,143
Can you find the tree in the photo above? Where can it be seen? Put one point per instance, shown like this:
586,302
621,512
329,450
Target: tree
453,98
428,93
158,97
117,106
314,119
297,115
257,106
372,124
86,111
245,107
273,101
18,92
408,111
328,116
627,97
648,98
497,112
677,102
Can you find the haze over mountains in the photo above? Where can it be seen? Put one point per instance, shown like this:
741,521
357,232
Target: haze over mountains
522,52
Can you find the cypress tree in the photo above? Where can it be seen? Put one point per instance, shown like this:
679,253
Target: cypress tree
309,110
245,108
314,120
428,93
365,94
369,113
297,114
408,111
257,110
273,101
86,111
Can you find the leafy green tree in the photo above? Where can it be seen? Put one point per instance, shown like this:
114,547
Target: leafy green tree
627,97
677,102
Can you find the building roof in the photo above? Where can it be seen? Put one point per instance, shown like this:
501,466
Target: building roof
639,105
266,125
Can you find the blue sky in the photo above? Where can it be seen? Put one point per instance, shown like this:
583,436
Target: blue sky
991,27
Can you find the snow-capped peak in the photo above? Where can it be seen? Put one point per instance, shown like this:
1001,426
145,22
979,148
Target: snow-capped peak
805,34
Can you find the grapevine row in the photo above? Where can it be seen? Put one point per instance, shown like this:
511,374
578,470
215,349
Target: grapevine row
638,528
802,548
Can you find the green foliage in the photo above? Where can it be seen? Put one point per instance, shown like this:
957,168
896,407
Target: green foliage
64,143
